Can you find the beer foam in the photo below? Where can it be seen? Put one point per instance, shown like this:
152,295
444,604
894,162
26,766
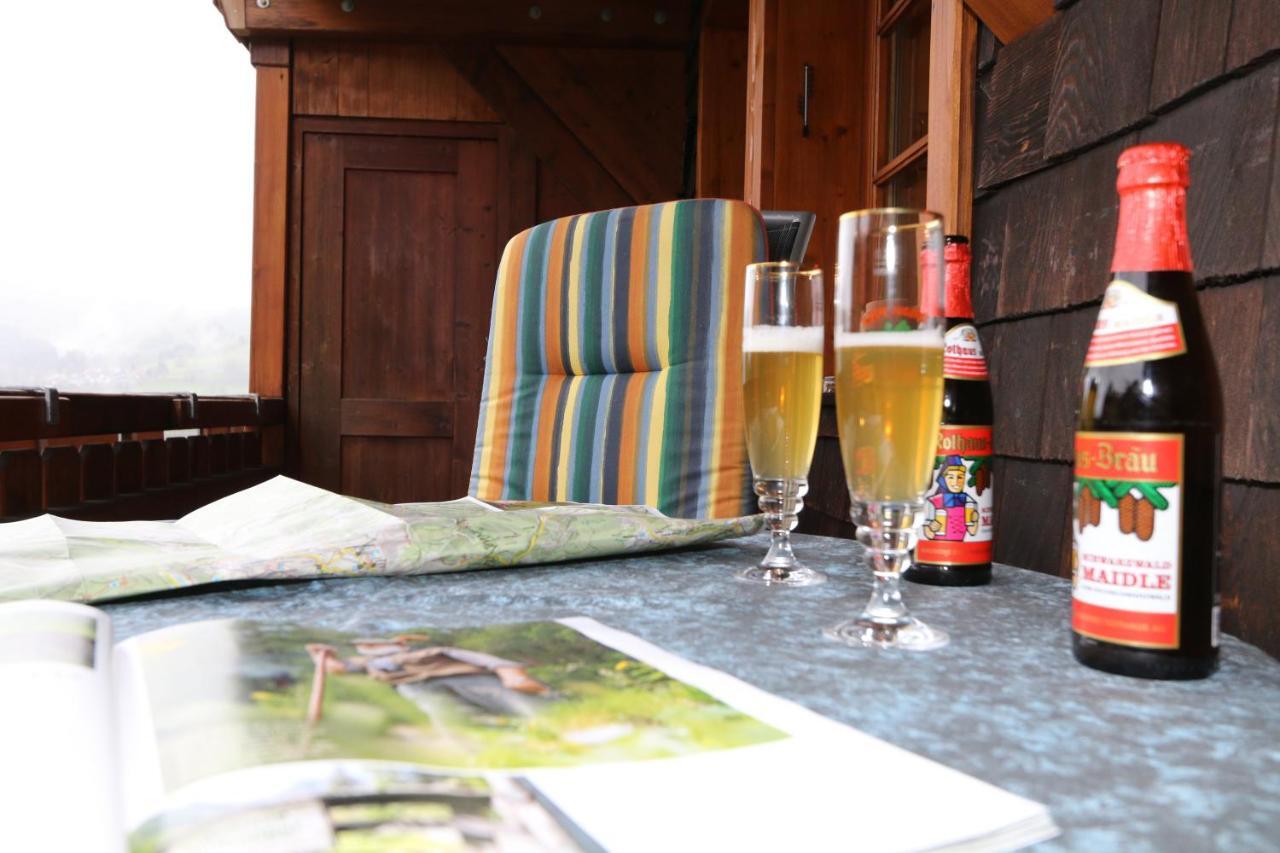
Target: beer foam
782,339
922,338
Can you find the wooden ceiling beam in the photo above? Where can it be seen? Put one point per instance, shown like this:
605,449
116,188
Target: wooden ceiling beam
1010,19
621,23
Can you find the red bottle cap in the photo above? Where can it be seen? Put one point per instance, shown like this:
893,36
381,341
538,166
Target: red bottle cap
958,258
1152,230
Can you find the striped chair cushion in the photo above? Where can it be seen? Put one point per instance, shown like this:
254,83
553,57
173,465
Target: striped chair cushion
614,366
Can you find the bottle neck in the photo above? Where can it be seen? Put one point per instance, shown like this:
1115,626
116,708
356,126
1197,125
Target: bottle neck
959,300
1151,234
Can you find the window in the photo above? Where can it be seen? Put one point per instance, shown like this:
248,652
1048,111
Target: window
126,188
901,102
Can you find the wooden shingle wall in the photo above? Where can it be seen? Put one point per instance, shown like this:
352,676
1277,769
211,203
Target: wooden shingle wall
1055,109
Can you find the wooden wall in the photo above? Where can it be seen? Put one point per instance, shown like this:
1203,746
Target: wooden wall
411,165
606,124
1054,110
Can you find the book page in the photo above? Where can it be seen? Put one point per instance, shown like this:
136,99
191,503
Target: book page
58,783
238,723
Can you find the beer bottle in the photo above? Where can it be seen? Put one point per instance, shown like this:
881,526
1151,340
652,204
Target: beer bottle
954,542
1149,446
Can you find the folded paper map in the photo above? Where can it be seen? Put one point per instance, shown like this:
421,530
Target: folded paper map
287,529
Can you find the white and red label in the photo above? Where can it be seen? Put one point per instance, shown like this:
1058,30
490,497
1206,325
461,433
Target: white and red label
962,356
959,507
1134,326
1126,564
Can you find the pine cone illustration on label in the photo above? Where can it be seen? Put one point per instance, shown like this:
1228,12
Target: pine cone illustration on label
1128,513
1145,522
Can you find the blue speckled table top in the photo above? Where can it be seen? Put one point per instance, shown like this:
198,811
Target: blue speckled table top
1122,763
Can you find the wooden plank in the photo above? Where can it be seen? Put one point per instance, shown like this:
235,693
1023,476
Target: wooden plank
1233,316
22,417
1018,107
762,50
232,14
217,455
60,472
270,224
178,450
1231,132
419,418
987,246
619,104
411,81
235,452
396,470
130,476
538,128
1011,19
1255,32
269,52
353,79
1191,50
1271,245
155,464
1067,341
477,248
722,112
1102,78
98,472
633,23
1018,378
1250,595
21,489
315,78
252,449
953,40
319,450
1264,403
201,457
1033,515
1042,268
173,502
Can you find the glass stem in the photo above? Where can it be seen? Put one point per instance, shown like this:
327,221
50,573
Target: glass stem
889,533
781,501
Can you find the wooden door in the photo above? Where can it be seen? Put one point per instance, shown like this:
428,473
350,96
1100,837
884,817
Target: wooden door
397,249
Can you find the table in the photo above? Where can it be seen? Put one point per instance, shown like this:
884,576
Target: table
1122,763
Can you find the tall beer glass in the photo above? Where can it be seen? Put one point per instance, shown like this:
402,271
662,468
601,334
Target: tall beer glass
782,393
888,348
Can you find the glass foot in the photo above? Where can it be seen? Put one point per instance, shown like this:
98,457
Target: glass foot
913,635
778,576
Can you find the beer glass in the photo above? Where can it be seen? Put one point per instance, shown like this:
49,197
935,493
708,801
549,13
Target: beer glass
782,393
888,349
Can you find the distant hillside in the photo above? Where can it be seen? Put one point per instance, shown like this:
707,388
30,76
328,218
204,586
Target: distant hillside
204,355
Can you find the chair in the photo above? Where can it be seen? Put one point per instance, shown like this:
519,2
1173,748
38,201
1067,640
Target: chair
788,232
613,373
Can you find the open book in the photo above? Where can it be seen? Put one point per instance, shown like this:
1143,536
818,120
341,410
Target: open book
567,735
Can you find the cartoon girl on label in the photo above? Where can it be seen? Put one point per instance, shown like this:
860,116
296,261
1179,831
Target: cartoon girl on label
955,513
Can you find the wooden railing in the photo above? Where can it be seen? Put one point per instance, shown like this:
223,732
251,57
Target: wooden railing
107,456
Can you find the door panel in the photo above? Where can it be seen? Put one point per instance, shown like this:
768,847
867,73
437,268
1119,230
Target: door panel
397,253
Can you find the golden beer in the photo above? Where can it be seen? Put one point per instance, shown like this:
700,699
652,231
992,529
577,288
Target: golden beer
888,401
782,394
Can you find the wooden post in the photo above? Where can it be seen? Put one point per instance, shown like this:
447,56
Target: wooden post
762,52
953,43
270,217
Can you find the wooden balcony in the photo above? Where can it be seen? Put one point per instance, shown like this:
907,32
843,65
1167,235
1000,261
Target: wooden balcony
115,456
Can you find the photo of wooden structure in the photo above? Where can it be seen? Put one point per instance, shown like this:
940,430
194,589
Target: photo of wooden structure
399,145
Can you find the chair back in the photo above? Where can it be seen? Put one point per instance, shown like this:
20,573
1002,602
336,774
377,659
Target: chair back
613,372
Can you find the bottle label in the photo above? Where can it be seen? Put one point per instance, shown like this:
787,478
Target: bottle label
962,356
959,510
1126,564
1134,326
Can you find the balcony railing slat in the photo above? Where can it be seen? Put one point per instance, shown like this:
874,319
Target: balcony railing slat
129,472
97,472
61,472
20,483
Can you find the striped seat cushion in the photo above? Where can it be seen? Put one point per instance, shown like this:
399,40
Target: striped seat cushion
614,365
